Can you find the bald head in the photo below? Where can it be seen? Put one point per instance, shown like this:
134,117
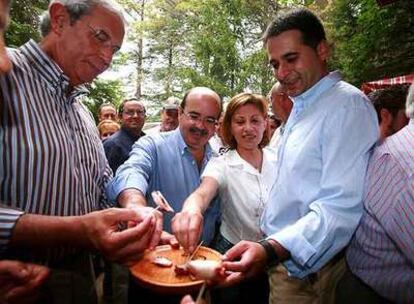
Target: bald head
200,92
281,103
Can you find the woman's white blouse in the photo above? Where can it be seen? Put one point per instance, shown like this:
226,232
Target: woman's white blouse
243,191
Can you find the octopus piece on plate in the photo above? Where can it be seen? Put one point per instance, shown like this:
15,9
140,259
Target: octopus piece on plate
206,269
162,261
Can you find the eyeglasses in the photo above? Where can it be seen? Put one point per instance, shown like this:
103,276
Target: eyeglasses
131,113
103,39
194,117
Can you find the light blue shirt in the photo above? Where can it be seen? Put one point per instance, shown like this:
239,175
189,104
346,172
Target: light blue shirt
163,162
316,202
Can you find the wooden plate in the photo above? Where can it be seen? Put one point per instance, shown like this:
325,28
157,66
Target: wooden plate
164,279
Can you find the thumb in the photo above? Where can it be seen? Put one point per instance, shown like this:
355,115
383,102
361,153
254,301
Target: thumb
123,214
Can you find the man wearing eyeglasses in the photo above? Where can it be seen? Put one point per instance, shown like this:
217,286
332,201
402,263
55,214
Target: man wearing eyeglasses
53,169
172,163
118,146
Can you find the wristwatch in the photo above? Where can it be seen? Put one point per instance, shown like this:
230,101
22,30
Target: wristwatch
272,258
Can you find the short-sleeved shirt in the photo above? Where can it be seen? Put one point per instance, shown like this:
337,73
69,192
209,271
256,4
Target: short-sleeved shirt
243,192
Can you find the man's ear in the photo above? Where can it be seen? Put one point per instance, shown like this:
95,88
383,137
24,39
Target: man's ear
323,50
59,18
386,117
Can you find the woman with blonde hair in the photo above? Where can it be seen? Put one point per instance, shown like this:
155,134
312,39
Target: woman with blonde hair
107,127
242,177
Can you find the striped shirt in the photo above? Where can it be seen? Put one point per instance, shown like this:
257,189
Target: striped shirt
381,252
52,161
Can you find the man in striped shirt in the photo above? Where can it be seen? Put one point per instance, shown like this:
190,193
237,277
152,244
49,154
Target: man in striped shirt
381,253
53,169
18,281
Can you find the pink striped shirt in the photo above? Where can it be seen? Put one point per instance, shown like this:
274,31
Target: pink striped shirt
381,252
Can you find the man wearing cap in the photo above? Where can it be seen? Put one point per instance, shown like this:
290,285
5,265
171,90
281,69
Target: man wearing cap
118,146
169,115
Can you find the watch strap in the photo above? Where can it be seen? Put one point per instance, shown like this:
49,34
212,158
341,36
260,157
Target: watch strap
272,257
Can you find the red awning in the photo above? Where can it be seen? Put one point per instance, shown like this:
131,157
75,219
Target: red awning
368,87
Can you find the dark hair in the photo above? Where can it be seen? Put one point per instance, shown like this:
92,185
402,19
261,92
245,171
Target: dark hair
300,19
121,106
236,102
391,98
107,104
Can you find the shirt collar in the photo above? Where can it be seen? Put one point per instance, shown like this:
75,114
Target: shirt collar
208,151
310,96
50,71
235,160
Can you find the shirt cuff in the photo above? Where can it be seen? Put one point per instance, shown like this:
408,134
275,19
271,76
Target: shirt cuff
301,251
8,219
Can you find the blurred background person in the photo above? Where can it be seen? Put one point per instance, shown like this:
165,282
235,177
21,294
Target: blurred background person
273,123
169,114
107,127
132,117
281,108
217,141
389,104
107,111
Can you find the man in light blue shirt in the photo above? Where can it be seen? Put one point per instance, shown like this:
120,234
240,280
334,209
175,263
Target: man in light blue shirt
323,156
172,162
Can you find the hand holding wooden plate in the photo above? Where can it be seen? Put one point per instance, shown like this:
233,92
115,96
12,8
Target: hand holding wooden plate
164,279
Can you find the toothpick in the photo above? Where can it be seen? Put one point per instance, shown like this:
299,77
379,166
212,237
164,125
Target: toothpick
200,293
194,252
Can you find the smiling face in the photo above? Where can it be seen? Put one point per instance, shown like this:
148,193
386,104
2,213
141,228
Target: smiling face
199,117
84,49
248,124
296,65
133,116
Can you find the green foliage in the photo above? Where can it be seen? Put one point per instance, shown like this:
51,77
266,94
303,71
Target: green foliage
372,42
24,21
103,91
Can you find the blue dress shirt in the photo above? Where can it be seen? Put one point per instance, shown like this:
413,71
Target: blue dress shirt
163,162
316,202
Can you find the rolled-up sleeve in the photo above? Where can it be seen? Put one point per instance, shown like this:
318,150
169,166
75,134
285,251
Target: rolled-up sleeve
346,141
8,220
136,171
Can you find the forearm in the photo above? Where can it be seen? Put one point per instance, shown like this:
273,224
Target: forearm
132,198
49,231
196,202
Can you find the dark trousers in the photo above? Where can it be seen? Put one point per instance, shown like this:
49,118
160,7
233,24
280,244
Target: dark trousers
70,282
254,290
352,289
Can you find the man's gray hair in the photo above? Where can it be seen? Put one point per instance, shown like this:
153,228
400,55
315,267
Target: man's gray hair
409,104
78,8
